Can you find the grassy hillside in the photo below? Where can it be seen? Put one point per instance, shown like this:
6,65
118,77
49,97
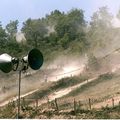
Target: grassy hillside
75,105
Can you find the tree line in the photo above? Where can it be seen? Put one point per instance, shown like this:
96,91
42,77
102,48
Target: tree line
60,32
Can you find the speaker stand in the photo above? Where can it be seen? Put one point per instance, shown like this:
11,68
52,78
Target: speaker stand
19,86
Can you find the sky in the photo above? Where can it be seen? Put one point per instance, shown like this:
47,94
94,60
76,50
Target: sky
21,10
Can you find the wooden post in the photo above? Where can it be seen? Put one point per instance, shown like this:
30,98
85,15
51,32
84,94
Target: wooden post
36,103
113,102
119,104
56,104
74,106
90,103
79,105
23,101
19,88
48,102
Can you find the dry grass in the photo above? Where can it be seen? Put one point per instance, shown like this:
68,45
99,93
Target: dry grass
104,87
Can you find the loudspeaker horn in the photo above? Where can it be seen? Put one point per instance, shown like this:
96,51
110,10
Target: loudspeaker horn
8,63
34,59
5,63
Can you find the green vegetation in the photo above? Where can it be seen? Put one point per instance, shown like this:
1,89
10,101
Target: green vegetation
63,83
100,79
60,32
8,111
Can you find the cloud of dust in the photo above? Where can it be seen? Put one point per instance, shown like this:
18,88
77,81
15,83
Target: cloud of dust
20,37
50,30
111,42
116,22
66,66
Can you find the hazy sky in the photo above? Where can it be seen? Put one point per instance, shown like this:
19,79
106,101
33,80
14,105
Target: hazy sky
24,9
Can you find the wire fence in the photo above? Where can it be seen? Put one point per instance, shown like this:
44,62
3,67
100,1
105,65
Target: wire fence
60,104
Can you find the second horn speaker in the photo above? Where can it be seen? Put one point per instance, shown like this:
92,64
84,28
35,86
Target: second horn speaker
35,59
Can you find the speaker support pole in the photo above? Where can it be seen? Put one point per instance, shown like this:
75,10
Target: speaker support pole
19,84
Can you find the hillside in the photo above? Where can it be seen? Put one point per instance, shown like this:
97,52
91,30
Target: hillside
74,103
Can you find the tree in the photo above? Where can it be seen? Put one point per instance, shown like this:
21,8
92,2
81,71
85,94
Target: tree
93,63
64,41
3,39
71,27
52,39
54,17
34,31
99,30
11,28
118,15
72,24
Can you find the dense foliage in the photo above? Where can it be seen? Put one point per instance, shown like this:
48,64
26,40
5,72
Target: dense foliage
60,32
